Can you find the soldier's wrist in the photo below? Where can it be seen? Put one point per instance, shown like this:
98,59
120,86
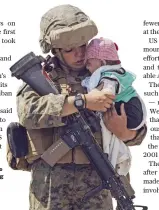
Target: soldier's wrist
86,98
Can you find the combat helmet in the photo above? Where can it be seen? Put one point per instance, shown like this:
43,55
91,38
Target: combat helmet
65,26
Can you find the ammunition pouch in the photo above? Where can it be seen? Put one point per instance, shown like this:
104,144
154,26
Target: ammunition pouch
17,147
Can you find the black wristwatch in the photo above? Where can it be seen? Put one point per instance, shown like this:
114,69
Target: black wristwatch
79,102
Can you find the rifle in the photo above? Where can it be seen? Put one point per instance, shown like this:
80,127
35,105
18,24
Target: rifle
77,132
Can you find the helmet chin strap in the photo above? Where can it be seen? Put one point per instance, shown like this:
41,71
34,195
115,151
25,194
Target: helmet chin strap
65,66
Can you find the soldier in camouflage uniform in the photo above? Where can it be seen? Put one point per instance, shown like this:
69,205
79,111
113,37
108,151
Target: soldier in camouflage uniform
65,31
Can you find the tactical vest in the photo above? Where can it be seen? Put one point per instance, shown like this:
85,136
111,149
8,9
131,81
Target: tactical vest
41,139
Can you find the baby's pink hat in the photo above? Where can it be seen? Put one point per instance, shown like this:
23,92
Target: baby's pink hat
103,49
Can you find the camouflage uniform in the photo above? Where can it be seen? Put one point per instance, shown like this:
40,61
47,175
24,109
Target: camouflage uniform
60,187
63,186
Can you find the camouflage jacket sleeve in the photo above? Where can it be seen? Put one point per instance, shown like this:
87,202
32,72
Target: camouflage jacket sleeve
37,112
141,133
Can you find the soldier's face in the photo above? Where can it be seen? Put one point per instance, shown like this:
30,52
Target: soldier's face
74,57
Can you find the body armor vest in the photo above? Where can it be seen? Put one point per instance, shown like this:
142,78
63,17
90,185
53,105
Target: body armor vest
39,140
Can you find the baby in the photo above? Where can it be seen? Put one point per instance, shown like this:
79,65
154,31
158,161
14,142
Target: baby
103,62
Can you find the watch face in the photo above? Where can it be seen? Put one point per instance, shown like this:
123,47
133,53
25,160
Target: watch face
79,102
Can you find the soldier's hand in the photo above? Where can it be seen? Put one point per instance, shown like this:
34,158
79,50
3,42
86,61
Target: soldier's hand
117,124
97,100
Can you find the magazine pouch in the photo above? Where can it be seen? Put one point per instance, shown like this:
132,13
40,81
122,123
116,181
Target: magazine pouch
17,147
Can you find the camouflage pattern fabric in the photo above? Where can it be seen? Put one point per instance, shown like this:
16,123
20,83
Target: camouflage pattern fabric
65,26
37,112
141,133
63,186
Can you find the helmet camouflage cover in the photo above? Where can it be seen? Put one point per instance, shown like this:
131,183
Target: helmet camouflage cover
65,26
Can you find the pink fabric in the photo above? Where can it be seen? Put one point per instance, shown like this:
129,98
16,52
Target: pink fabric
103,49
